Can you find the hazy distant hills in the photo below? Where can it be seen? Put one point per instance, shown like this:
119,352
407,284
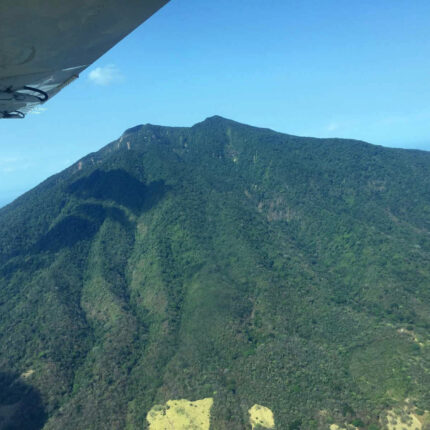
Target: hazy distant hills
220,261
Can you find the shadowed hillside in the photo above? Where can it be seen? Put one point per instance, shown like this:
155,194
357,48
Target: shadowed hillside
20,405
222,262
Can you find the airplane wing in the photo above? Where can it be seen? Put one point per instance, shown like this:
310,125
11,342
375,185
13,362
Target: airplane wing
45,44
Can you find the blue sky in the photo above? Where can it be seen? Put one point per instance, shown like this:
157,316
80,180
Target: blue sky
332,68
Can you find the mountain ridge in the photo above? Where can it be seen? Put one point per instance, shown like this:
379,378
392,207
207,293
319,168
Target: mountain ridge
222,261
225,121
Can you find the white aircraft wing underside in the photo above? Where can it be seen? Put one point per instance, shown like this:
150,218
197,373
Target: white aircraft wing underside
45,44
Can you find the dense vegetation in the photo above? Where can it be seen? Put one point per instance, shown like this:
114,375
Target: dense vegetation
220,261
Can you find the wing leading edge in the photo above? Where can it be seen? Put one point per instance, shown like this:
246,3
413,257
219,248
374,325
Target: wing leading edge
46,44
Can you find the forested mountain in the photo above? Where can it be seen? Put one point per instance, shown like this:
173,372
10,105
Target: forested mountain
221,262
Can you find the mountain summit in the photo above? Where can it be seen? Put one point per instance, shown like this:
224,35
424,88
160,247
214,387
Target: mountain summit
234,276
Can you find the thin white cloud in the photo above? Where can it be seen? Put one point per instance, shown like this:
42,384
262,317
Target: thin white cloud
38,110
105,75
13,164
8,160
9,169
333,126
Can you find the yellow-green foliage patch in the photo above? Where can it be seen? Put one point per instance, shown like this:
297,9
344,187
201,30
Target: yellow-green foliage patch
260,416
412,335
181,415
27,374
347,427
403,419
336,427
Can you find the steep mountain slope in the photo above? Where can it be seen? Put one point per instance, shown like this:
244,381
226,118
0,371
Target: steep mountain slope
220,261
